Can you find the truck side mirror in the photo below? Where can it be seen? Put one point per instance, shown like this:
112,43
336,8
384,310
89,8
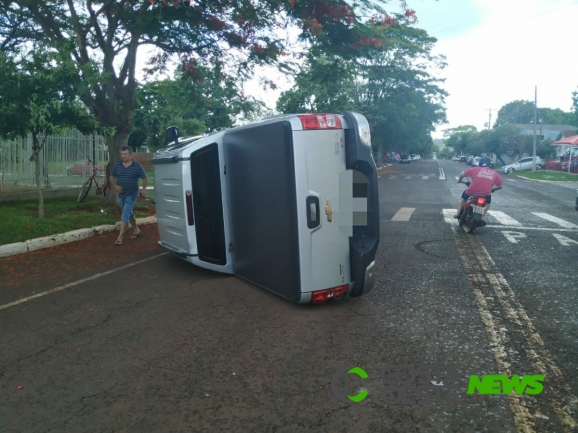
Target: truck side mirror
172,134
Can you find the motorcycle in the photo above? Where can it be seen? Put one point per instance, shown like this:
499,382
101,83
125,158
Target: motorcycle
471,215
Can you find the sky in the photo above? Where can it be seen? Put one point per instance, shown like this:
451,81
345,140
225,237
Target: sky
497,51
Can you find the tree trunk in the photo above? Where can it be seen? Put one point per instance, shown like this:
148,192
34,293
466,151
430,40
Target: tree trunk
37,169
114,143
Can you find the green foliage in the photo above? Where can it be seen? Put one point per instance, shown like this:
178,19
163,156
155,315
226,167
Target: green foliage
390,86
503,140
36,97
519,112
522,112
93,37
209,102
464,128
445,152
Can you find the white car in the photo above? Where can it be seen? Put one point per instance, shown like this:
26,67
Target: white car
456,158
524,164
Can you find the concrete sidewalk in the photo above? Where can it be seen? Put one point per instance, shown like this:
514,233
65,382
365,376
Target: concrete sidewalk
64,238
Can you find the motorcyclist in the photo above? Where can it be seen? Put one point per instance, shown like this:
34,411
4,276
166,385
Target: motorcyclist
484,182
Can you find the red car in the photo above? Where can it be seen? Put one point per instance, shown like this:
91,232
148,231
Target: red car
82,167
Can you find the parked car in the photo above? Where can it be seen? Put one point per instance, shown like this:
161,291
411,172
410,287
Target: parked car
456,158
524,164
475,161
413,157
405,159
418,157
462,159
82,167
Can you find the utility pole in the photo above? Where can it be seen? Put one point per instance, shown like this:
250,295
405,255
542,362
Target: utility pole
535,121
490,118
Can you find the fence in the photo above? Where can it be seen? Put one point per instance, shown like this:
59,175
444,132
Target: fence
62,159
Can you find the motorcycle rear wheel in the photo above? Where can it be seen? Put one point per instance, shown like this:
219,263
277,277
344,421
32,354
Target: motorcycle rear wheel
470,222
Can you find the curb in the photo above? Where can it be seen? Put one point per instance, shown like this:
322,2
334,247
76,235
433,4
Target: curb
548,181
64,238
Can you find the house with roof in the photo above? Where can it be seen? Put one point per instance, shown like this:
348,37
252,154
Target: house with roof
553,132
544,132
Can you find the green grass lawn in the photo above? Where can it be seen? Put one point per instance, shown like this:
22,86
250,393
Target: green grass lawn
20,221
556,176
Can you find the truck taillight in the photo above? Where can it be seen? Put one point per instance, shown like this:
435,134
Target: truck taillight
322,296
320,121
189,201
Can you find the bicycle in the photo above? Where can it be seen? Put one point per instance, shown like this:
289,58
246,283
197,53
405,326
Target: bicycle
88,184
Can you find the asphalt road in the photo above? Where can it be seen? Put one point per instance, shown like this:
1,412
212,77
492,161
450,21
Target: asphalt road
162,346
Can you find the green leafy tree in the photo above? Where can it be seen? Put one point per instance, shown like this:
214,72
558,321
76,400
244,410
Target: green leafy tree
210,101
549,116
463,128
446,152
461,139
324,84
517,112
389,84
36,98
94,36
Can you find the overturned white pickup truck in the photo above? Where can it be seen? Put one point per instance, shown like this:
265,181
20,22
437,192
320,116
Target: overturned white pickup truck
289,203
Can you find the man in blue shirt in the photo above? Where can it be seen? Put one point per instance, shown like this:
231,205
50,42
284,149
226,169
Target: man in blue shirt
124,178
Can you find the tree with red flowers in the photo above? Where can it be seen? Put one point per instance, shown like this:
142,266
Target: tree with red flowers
101,39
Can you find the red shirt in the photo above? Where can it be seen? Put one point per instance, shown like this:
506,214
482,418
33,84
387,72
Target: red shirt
483,179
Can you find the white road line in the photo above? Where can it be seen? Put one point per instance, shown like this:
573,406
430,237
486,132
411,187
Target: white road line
392,176
503,218
442,174
408,177
457,177
76,283
555,220
449,216
404,214
511,180
546,229
379,177
425,177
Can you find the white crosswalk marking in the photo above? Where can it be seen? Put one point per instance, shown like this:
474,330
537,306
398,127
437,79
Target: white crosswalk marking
404,214
408,177
449,216
503,218
556,220
425,177
392,177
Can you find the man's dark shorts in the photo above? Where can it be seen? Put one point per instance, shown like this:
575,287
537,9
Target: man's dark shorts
488,197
